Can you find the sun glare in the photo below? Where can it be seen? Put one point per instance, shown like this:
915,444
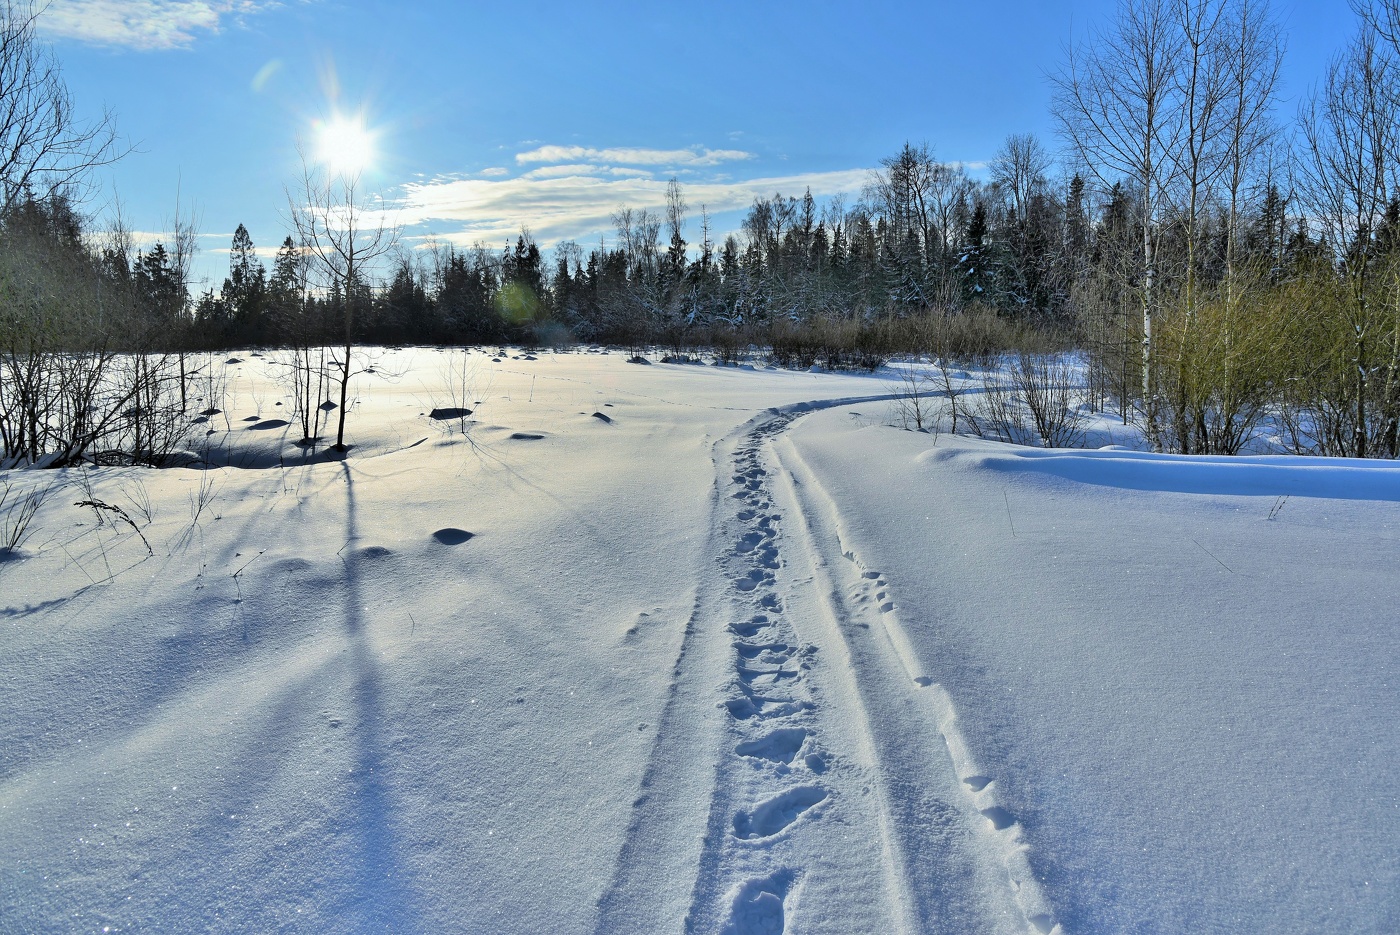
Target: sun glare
345,145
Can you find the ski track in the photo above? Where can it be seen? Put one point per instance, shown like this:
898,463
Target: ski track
840,796
969,861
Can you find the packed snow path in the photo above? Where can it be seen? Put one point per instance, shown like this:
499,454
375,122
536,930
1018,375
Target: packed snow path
822,818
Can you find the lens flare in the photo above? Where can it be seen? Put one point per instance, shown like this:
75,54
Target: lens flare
345,145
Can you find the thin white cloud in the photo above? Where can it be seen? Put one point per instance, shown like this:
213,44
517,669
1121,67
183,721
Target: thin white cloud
495,172
555,172
696,156
564,171
579,205
142,24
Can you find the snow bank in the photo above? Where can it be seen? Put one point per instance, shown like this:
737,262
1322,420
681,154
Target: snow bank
1255,475
1183,695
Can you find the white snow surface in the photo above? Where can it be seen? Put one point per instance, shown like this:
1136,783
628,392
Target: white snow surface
739,657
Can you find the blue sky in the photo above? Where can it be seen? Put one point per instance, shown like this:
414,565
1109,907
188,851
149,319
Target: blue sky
490,115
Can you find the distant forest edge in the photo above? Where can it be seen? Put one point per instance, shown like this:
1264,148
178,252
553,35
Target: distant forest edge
1217,265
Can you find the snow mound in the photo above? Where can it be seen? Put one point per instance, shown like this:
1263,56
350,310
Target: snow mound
1261,475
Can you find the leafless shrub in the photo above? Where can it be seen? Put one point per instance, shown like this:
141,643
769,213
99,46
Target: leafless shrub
305,373
136,494
1045,383
17,511
157,430
951,386
916,406
59,408
1027,399
457,393
199,499
996,412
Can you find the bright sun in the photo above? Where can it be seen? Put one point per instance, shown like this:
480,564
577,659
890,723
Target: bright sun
346,146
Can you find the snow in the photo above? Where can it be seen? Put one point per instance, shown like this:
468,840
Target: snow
672,648
1188,706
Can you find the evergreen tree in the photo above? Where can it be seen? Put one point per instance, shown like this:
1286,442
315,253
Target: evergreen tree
285,294
245,289
158,289
973,257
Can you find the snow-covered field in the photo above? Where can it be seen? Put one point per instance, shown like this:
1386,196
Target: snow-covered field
671,648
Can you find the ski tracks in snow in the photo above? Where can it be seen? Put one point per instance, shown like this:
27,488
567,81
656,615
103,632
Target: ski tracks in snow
793,818
830,763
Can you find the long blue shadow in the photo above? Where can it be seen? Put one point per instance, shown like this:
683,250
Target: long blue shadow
1254,476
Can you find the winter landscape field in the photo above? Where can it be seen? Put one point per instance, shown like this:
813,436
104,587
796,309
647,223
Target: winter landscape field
680,648
610,468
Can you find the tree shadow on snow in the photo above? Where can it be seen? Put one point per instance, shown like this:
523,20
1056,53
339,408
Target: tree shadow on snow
382,898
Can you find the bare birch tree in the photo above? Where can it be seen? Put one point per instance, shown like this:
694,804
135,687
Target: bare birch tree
343,238
1252,59
1116,102
1019,170
184,237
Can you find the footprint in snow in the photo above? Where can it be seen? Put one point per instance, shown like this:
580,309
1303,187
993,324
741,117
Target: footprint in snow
749,705
780,746
775,651
749,628
758,906
765,678
753,579
1000,818
776,814
450,535
749,542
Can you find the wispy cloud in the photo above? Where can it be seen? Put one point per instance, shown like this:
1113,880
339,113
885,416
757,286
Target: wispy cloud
564,171
143,24
695,156
581,204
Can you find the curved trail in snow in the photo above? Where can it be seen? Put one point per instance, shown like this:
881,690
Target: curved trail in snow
806,775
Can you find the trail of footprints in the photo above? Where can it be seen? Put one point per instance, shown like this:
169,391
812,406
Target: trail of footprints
778,775
780,757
